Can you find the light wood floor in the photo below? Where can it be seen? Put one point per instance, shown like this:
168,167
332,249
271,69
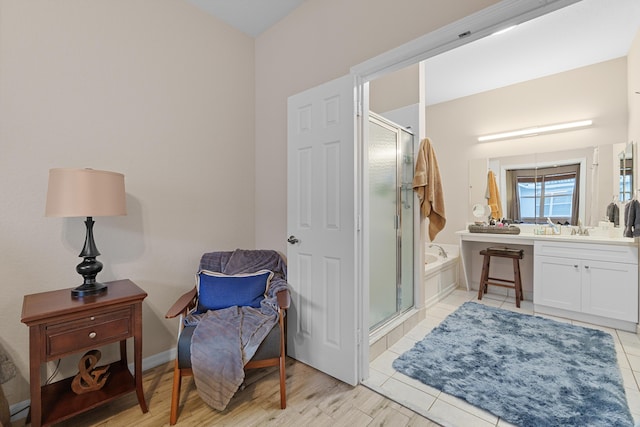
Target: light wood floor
313,399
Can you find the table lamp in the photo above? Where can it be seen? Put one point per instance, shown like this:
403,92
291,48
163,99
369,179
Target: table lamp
86,193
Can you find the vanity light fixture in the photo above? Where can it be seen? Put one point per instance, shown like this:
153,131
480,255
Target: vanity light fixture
535,130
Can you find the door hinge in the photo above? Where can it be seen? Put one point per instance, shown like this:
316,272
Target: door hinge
396,222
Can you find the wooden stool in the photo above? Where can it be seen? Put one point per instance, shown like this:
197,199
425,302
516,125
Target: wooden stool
516,255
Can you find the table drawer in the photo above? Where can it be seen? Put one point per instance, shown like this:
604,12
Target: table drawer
88,332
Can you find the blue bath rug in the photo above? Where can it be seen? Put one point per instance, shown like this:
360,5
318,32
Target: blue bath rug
527,370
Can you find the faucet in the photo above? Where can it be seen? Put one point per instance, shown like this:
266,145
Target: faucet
441,251
582,231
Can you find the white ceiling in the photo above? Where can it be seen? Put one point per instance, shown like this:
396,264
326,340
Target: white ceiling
581,34
249,16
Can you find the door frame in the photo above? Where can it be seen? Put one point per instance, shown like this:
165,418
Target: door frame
473,27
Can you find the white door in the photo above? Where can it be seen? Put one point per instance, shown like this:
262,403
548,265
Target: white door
322,326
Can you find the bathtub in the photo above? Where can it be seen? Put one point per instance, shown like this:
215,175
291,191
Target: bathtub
440,274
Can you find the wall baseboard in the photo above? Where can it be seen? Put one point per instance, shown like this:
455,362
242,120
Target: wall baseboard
20,410
157,359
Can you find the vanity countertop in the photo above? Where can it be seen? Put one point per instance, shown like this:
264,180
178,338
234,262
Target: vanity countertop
529,238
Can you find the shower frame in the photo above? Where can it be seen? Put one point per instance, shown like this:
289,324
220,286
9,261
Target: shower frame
403,221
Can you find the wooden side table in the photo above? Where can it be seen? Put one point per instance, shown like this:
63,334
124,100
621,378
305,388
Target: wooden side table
60,325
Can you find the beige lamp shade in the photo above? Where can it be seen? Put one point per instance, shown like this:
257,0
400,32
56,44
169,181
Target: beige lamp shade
85,192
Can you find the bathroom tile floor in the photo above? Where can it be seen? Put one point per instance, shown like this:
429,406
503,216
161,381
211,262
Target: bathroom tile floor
451,411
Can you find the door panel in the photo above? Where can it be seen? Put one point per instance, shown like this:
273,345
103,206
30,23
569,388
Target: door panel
321,216
557,282
610,289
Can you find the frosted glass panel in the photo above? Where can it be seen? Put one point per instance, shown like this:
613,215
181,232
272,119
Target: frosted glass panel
383,199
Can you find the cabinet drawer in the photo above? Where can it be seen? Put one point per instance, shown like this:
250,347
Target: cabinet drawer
587,251
88,332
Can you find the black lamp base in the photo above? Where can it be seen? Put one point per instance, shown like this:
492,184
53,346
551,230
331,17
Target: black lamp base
87,290
89,267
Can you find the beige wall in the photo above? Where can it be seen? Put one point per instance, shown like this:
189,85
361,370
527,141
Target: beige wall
320,41
596,92
155,89
395,90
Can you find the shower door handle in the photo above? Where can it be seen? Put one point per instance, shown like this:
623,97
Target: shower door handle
293,240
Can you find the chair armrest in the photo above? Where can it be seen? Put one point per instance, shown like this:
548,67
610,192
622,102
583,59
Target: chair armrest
284,299
184,303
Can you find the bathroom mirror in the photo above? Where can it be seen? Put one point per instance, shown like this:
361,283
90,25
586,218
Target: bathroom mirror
626,173
607,173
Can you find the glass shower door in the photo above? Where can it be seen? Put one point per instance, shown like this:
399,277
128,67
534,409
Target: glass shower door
390,172
383,231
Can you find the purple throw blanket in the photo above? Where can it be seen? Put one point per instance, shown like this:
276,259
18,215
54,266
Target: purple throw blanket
225,340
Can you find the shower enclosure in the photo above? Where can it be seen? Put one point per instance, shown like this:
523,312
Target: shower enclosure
390,176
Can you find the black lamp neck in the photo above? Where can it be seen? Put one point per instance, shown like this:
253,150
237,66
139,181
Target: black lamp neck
89,250
89,267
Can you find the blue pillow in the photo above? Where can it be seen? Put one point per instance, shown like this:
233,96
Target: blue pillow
218,290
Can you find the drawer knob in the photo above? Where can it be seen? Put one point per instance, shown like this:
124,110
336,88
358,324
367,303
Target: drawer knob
92,335
92,318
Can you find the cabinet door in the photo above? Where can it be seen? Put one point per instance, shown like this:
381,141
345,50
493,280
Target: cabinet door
610,289
557,282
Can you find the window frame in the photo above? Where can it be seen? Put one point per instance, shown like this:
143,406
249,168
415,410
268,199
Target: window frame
540,175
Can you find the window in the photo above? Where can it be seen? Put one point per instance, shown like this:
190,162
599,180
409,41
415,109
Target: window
626,179
533,195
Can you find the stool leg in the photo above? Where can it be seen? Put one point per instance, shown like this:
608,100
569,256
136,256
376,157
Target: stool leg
520,280
484,278
517,281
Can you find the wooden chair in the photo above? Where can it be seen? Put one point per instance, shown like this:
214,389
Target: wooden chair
270,353
516,284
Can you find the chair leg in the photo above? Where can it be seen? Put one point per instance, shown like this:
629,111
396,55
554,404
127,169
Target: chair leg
283,385
283,357
175,394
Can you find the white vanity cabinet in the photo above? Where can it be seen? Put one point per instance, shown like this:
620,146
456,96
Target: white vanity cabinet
610,289
596,280
557,282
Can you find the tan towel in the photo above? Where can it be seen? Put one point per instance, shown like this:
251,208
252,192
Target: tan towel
427,184
494,196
